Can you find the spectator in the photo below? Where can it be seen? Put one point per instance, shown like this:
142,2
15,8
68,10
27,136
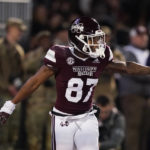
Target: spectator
108,81
66,8
54,22
61,36
55,6
111,125
39,23
11,71
43,43
135,91
107,10
36,140
85,6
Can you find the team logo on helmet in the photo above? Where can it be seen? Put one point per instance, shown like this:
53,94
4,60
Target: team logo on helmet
77,28
70,61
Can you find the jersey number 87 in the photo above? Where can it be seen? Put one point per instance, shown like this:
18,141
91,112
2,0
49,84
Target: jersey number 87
76,85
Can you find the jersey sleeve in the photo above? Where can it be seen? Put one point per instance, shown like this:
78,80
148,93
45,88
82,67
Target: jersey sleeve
51,58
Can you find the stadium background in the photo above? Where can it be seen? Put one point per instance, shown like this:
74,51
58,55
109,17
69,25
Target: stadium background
53,17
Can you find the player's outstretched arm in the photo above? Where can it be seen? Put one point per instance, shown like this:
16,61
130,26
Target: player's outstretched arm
29,87
33,83
128,68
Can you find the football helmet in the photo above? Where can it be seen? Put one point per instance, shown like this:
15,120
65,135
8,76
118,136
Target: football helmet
86,36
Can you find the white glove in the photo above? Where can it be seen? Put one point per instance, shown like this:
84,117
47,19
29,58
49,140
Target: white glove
8,107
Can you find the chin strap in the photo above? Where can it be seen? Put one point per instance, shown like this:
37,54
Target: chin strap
8,107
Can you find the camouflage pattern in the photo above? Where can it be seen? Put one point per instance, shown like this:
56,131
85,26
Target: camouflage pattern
10,68
16,22
39,104
10,65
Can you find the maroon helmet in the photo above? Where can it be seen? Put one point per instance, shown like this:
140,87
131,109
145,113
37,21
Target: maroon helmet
86,36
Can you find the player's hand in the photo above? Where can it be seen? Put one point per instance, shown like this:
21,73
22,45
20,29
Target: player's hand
3,117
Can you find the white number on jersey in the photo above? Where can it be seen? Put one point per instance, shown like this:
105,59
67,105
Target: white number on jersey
92,82
76,85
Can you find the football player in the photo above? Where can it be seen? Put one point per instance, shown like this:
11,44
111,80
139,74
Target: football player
76,70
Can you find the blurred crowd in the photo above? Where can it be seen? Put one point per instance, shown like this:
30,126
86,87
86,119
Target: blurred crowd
124,100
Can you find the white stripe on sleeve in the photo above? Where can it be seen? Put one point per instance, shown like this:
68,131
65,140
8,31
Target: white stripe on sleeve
51,55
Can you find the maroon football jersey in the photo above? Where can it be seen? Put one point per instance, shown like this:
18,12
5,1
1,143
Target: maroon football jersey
76,77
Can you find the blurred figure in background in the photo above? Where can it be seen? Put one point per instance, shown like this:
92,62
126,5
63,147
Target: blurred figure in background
111,125
108,10
135,92
39,22
54,22
110,38
61,36
42,44
38,105
11,72
107,81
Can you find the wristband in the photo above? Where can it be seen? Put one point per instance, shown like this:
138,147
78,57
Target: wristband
8,107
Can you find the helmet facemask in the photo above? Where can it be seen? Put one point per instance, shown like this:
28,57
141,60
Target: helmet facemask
94,44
